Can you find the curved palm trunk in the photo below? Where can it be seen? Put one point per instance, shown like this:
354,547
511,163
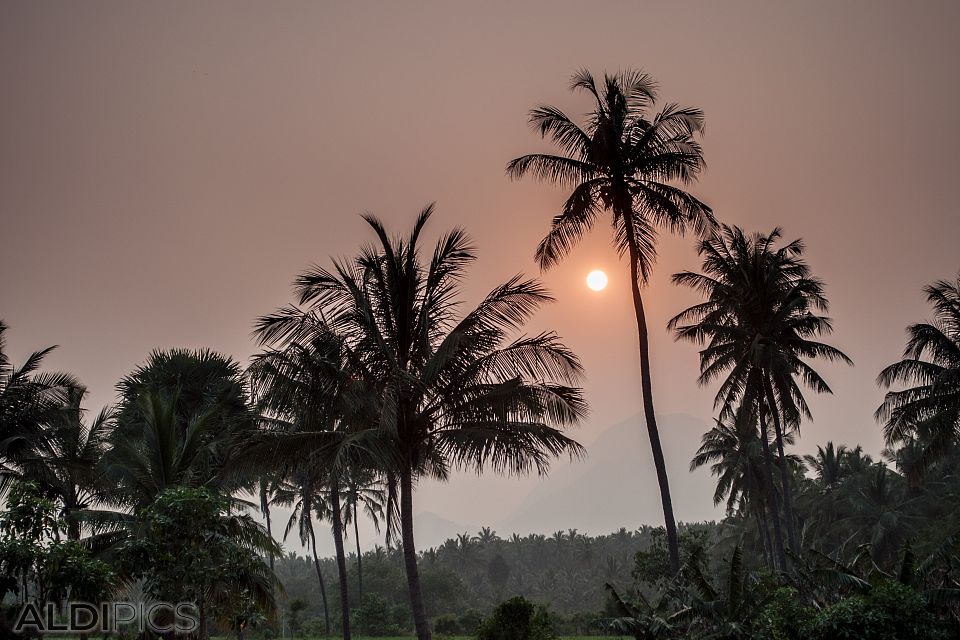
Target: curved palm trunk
323,586
646,386
341,560
784,474
410,556
774,502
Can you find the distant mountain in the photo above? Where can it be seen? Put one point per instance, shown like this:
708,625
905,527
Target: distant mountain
616,486
433,530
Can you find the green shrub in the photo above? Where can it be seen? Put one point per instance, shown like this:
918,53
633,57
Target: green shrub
517,619
890,611
786,616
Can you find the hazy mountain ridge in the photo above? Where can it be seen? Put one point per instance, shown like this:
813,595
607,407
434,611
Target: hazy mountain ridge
616,485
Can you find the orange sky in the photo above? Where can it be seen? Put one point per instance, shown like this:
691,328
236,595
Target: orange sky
166,168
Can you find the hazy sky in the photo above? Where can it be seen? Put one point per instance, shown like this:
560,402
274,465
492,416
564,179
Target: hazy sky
166,169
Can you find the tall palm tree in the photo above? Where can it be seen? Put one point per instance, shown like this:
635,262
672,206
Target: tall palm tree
312,401
29,399
626,160
65,463
928,411
452,393
759,322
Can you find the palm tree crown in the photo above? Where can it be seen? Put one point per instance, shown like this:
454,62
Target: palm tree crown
622,161
929,411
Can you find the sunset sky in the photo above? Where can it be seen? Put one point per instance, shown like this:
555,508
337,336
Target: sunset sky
167,168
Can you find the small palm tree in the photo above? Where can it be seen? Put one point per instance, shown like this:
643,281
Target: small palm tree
300,493
736,455
29,399
929,411
167,452
449,393
65,463
828,465
654,618
759,324
362,490
626,161
731,609
883,515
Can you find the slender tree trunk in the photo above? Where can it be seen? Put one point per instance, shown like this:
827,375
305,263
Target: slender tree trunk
784,473
323,586
265,505
356,537
774,502
337,519
410,556
203,618
646,386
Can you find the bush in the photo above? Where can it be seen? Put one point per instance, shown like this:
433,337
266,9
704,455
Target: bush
787,615
517,619
378,618
890,611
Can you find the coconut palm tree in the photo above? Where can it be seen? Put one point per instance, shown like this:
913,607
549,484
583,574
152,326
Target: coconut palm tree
758,323
65,463
928,411
626,160
828,465
305,393
736,455
362,490
29,399
300,493
452,393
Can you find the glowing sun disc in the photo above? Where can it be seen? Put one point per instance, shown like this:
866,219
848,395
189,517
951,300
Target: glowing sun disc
597,280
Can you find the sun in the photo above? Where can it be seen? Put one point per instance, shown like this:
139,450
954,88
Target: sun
597,280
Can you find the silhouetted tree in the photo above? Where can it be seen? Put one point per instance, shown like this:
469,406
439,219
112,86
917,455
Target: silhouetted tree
626,160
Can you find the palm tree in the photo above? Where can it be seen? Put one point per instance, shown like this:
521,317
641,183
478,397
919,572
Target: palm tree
624,161
451,393
29,399
167,452
305,393
759,320
65,463
929,411
362,489
647,619
828,465
736,455
300,492
882,513
202,379
729,610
